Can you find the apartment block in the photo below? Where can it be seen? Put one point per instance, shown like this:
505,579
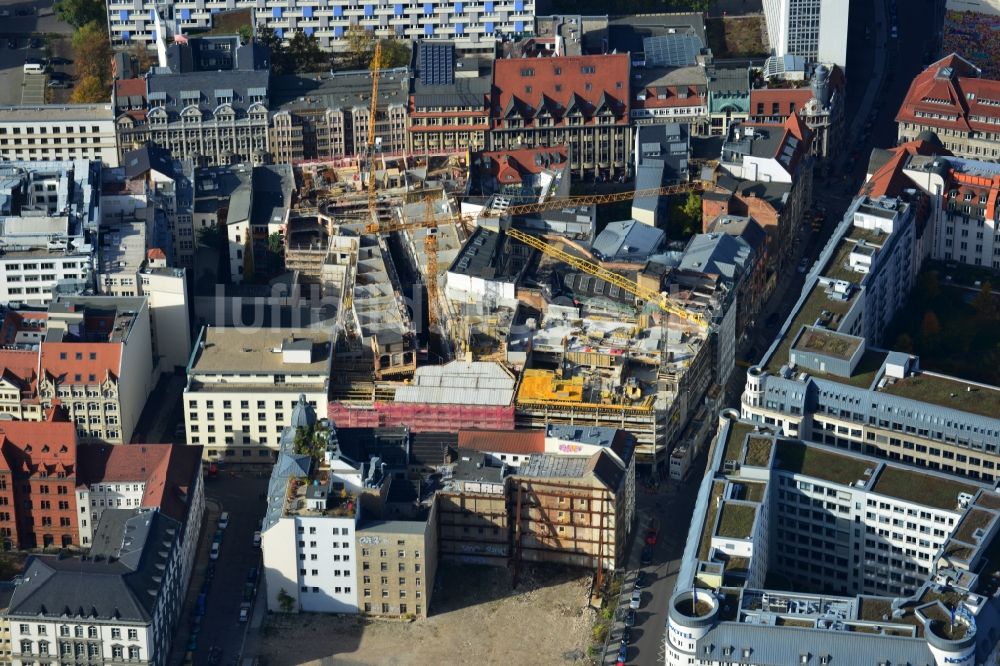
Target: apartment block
813,29
123,600
242,386
49,214
208,103
581,101
325,116
449,103
59,133
38,473
951,99
476,25
398,562
867,556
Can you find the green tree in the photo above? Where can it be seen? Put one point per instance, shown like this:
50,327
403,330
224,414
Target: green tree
92,53
245,32
930,328
269,39
985,304
211,236
142,57
904,343
305,54
90,90
360,46
80,12
285,601
930,285
395,53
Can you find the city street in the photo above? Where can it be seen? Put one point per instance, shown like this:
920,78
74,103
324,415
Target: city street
239,494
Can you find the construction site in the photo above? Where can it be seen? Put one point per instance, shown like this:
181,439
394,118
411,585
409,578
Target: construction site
454,309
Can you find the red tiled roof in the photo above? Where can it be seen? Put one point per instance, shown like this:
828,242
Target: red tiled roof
130,87
167,470
529,86
511,165
26,445
673,96
784,97
521,442
156,253
78,361
889,179
20,368
951,87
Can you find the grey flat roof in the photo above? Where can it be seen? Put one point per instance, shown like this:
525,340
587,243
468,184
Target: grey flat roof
232,350
33,114
395,527
341,90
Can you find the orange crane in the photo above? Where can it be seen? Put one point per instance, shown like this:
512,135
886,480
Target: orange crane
594,199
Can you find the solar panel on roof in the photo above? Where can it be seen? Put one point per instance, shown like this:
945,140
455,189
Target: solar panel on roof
678,50
437,64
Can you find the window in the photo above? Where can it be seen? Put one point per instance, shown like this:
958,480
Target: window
117,652
116,633
133,634
26,647
133,653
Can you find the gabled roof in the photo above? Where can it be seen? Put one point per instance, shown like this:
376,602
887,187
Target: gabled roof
20,368
580,82
951,87
29,447
888,179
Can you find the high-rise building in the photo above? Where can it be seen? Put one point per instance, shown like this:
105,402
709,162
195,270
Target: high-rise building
813,29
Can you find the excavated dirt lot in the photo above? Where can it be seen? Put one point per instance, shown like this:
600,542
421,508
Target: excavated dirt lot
477,619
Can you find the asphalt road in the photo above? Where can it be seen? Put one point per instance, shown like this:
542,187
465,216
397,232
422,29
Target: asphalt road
240,496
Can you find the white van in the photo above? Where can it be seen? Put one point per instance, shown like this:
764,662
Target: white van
34,68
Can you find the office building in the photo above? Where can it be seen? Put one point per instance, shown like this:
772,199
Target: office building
242,384
813,29
325,116
821,105
474,27
951,99
59,133
728,97
582,102
801,553
208,102
123,600
49,214
449,104
313,507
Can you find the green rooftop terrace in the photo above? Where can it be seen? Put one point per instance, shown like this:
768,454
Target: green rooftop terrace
828,343
809,314
758,452
705,545
947,392
736,521
921,488
799,458
734,441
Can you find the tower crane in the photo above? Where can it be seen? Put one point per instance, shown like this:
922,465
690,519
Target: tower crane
556,203
376,68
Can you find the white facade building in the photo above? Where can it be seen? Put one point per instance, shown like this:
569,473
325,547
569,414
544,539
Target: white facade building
243,384
813,29
59,132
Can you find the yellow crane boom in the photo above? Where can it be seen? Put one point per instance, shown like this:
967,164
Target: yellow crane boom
589,267
376,68
595,199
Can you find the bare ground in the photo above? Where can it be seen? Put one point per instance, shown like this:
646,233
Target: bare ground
477,619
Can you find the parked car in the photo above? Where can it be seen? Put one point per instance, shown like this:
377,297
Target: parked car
214,655
59,60
25,12
34,43
651,538
630,618
640,580
647,555
636,600
252,575
626,635
60,83
214,553
223,520
803,265
623,653
256,539
217,537
244,614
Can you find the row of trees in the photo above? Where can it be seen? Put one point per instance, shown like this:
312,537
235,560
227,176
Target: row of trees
303,53
91,48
